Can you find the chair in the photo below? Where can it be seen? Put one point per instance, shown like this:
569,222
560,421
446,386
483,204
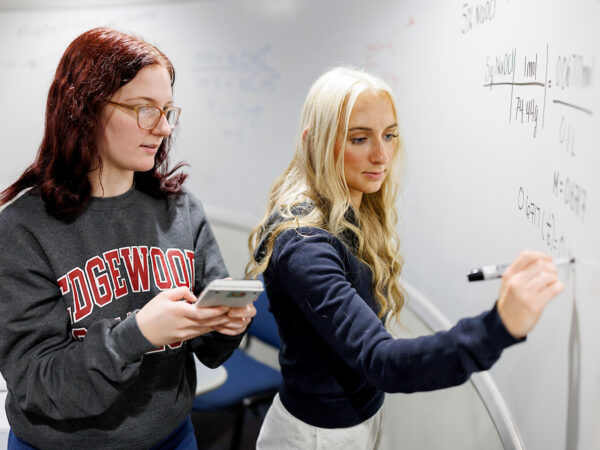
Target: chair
250,383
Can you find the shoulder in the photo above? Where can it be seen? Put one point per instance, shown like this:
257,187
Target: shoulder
186,200
306,243
22,220
305,236
28,208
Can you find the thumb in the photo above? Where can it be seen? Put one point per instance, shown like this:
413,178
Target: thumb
180,293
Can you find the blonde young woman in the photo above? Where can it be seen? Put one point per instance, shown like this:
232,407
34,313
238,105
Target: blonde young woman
329,254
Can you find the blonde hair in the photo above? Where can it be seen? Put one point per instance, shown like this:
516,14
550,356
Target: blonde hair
315,176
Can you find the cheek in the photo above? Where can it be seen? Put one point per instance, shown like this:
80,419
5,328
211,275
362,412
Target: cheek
391,151
352,161
120,133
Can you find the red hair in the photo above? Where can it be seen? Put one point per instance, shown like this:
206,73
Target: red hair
94,66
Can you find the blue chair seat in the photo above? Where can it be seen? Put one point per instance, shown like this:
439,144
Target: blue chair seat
245,377
250,384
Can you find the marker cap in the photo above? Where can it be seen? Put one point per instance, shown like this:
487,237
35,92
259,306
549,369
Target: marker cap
475,275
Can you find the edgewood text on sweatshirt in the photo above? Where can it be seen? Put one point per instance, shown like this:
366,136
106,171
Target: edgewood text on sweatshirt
79,372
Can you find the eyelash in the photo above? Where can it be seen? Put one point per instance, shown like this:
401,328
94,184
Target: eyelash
361,140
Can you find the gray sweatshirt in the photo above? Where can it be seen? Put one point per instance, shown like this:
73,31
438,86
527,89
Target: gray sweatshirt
79,372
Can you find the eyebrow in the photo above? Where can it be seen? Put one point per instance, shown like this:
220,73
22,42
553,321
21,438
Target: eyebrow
394,125
147,99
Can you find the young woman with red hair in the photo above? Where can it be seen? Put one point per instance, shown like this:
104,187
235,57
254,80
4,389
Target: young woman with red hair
99,243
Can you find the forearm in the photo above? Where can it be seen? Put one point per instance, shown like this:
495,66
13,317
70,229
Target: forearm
441,360
65,379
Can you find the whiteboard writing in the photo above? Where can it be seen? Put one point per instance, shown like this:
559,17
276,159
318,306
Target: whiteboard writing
572,194
234,86
476,13
544,219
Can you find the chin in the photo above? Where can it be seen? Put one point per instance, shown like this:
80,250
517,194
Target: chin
372,189
145,167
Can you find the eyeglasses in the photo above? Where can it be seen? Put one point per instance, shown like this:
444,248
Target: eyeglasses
148,116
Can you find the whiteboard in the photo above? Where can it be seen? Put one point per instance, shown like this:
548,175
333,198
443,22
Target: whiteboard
498,103
500,112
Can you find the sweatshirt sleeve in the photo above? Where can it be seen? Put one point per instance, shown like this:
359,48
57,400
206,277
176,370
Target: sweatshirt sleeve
212,349
47,371
311,272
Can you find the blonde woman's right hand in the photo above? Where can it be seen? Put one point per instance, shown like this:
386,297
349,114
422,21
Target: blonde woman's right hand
165,319
528,285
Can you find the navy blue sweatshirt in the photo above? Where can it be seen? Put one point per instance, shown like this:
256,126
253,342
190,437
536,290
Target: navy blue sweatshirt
336,357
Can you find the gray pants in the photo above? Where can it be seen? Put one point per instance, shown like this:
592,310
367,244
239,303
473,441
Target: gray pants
282,431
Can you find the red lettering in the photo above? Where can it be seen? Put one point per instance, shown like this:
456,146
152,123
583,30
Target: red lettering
178,267
136,265
162,278
98,283
190,260
63,284
112,259
158,349
175,345
82,300
79,333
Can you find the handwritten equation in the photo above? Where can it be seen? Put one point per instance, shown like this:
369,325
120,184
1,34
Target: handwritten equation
535,82
572,193
529,79
544,219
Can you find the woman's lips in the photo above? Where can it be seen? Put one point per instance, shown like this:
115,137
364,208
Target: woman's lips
374,175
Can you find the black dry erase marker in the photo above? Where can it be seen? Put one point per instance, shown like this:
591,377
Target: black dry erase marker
491,272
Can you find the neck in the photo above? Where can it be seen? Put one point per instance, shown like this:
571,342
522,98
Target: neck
107,186
355,199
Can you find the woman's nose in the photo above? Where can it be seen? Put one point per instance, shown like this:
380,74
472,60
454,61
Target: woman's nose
378,153
162,127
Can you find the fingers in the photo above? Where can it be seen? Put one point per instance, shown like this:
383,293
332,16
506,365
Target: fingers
554,289
234,326
202,313
189,329
247,311
211,322
228,331
525,259
167,319
221,324
529,283
238,320
531,271
539,275
180,293
224,325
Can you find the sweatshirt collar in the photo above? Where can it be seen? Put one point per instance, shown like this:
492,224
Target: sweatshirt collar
121,201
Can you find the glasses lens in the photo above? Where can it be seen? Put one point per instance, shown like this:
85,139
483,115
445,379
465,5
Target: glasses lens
173,116
148,117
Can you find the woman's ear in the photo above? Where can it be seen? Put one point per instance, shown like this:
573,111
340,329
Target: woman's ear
304,133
